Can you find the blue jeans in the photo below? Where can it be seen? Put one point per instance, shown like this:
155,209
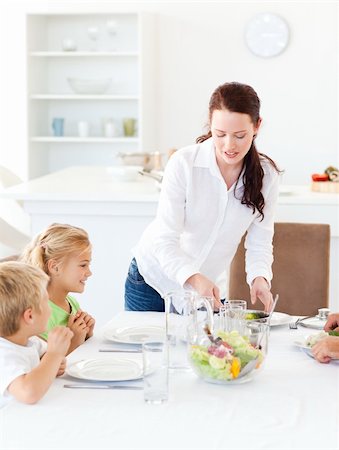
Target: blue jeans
139,296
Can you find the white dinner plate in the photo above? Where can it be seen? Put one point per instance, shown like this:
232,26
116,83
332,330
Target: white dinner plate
279,318
135,335
106,369
301,343
313,322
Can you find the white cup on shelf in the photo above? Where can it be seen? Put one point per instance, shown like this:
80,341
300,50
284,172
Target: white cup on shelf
109,128
83,129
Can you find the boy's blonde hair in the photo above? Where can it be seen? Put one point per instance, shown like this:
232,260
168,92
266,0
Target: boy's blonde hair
21,287
57,242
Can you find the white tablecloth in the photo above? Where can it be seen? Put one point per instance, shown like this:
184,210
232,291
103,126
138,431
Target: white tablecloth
291,404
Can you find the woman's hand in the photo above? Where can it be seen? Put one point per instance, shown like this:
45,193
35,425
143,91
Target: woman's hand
261,290
205,288
326,349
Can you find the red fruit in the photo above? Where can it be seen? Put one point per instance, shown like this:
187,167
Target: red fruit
320,177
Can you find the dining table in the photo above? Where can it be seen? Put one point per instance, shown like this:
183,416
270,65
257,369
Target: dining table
291,403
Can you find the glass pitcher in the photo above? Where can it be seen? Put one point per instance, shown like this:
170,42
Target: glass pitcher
186,315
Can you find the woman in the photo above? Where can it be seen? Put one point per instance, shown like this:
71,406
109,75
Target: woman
212,193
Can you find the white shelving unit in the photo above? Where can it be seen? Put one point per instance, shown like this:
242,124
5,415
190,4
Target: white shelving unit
126,57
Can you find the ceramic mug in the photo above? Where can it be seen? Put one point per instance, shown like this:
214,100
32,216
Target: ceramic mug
83,128
109,128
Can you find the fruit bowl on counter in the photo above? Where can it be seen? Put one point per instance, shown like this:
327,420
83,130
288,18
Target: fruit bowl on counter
326,182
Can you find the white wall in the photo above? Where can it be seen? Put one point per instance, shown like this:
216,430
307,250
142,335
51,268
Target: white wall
200,45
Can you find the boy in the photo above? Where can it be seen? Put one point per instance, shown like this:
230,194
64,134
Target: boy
28,365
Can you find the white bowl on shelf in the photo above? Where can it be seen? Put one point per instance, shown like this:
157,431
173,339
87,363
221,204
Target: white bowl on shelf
124,173
89,86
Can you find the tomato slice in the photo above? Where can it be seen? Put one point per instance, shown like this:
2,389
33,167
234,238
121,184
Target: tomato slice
320,177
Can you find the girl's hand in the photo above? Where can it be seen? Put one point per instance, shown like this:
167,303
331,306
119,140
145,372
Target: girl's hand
62,368
77,324
205,288
326,349
90,322
260,289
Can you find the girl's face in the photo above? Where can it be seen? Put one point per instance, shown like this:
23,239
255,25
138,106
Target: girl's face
232,134
74,271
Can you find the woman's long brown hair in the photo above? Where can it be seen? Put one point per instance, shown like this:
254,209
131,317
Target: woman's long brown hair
241,98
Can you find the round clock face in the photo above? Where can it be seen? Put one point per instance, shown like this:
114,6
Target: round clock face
267,35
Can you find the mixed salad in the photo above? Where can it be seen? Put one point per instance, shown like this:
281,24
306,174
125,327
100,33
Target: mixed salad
224,359
314,338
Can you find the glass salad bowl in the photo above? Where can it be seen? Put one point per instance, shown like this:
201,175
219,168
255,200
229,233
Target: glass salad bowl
229,357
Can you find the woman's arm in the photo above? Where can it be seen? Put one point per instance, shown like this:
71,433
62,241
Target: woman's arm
170,219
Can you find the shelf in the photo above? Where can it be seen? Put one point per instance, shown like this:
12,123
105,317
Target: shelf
126,56
88,140
80,54
82,97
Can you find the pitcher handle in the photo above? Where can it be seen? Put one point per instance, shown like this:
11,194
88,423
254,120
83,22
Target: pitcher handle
207,302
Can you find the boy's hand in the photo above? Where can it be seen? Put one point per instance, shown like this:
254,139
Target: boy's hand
62,368
59,340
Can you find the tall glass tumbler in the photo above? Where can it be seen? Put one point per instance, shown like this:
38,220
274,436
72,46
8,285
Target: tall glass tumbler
155,363
178,311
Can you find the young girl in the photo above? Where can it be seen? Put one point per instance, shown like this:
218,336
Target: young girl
64,253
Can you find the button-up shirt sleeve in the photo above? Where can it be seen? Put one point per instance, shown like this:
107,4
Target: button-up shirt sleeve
170,220
258,244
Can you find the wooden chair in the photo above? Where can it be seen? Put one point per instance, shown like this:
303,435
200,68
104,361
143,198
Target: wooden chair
300,268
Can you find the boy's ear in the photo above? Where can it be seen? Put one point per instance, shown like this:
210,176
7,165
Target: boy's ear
53,267
28,316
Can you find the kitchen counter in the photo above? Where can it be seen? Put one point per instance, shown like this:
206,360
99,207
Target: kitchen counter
115,214
97,184
90,184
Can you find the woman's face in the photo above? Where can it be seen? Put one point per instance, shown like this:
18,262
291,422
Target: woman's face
232,135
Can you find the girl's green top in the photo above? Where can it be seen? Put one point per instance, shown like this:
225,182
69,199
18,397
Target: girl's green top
59,316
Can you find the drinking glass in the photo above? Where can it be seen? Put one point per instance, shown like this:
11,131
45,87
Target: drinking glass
155,364
111,26
58,126
235,315
178,308
129,125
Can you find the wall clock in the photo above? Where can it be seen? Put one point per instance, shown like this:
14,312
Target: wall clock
267,35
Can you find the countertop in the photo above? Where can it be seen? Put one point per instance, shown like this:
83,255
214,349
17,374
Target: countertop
95,183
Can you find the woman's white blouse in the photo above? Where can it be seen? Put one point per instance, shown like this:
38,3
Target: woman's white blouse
199,224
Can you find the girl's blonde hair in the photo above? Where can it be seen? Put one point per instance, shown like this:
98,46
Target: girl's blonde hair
21,287
57,242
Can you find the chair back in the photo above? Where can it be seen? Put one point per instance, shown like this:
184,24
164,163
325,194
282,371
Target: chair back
300,268
8,178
